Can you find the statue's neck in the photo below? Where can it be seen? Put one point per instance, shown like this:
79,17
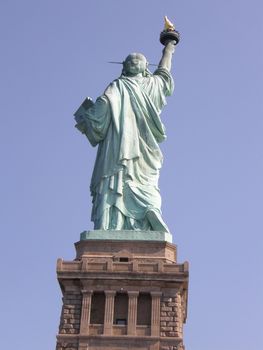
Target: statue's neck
139,75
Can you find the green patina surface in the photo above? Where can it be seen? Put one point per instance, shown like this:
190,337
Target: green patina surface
128,235
126,126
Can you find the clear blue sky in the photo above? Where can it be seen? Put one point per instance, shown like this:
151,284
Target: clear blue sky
53,54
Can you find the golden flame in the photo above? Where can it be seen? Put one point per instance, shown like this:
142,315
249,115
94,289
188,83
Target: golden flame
168,25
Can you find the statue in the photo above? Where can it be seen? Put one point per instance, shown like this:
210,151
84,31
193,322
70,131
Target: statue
125,124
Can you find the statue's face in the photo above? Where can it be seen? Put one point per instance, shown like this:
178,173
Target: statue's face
135,64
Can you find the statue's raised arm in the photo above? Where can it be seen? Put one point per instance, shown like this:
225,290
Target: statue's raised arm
166,60
169,38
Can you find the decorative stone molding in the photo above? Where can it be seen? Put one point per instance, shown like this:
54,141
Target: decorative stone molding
155,321
85,311
109,311
132,312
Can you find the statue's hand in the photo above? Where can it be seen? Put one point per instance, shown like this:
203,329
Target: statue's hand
170,43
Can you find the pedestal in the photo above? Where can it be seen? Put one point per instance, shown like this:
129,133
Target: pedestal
123,293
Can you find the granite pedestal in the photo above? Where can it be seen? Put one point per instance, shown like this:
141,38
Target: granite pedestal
124,290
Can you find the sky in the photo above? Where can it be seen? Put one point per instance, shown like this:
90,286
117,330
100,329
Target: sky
54,53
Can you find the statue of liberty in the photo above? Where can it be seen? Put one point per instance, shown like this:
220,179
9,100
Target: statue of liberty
125,124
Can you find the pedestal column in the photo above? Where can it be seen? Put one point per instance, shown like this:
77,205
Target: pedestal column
132,312
155,320
109,311
85,311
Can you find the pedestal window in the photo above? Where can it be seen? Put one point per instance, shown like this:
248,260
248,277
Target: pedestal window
97,308
121,309
144,309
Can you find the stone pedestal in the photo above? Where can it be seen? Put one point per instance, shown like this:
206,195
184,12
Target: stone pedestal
120,294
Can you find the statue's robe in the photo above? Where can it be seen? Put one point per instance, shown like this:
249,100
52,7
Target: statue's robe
125,123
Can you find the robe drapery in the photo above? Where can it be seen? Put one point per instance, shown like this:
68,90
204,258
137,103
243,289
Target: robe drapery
125,123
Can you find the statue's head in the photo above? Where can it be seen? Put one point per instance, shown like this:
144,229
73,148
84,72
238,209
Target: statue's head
135,64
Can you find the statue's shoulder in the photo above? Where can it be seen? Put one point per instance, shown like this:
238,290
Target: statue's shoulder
162,71
114,87
115,82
